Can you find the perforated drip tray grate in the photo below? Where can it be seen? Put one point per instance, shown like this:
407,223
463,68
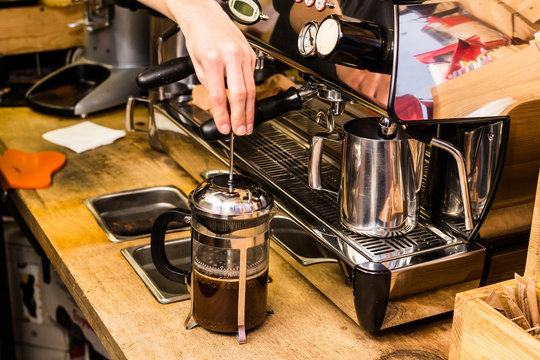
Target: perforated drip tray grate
278,154
283,161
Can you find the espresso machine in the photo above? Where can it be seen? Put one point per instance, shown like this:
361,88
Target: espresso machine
384,155
116,49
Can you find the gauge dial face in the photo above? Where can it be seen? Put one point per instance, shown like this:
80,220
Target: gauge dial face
307,38
328,36
320,5
309,2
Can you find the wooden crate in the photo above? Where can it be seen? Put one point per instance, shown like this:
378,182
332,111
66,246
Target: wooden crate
481,332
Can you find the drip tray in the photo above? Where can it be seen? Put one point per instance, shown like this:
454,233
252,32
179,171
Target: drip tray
131,214
298,243
164,290
60,91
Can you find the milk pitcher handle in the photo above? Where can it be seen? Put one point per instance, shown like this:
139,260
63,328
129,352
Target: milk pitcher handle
315,158
462,170
157,245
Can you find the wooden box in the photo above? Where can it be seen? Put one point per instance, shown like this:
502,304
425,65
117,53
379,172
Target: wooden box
481,332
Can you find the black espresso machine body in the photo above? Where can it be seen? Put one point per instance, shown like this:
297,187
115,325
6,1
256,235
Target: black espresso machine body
406,64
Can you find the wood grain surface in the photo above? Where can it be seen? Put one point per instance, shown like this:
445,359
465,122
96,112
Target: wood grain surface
479,331
486,334
532,266
499,80
39,28
514,18
515,77
126,317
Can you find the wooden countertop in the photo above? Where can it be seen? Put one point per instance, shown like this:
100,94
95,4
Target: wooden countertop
125,315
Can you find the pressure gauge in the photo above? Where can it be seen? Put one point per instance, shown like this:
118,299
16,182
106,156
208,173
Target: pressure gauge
309,2
306,39
328,37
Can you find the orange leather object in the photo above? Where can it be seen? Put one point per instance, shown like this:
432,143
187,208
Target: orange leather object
23,170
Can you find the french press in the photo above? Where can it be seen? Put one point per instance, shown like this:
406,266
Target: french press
230,230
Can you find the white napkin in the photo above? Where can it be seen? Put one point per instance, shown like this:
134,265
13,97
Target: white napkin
83,136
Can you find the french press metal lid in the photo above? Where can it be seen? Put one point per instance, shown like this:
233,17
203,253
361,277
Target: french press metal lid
242,199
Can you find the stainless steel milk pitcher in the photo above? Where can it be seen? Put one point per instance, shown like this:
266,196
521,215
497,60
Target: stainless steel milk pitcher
380,177
481,147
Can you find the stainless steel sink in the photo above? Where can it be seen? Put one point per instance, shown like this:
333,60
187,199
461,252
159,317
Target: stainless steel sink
285,232
164,290
299,243
129,215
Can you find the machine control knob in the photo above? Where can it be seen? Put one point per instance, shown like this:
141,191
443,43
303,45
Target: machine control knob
320,5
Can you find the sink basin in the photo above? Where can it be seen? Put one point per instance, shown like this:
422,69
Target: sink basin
131,214
299,243
285,232
164,290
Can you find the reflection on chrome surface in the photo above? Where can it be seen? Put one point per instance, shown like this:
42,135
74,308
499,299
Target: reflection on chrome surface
439,60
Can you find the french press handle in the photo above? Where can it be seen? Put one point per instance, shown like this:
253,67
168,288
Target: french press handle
157,246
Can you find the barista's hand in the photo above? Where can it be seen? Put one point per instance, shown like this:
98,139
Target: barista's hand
219,51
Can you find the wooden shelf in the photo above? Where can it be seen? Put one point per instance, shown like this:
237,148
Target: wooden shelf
39,28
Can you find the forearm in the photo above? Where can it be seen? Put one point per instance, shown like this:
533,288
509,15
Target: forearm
219,51
184,11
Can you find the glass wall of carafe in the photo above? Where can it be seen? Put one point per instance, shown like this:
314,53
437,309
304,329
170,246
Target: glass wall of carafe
230,273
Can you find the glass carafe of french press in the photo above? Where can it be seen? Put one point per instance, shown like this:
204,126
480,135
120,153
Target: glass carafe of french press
230,230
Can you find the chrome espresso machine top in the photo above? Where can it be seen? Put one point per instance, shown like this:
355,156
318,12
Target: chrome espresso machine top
385,153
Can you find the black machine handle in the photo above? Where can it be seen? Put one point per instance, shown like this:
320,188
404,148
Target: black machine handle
265,109
165,73
170,32
157,246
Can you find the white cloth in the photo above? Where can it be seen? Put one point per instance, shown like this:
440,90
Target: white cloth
84,136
